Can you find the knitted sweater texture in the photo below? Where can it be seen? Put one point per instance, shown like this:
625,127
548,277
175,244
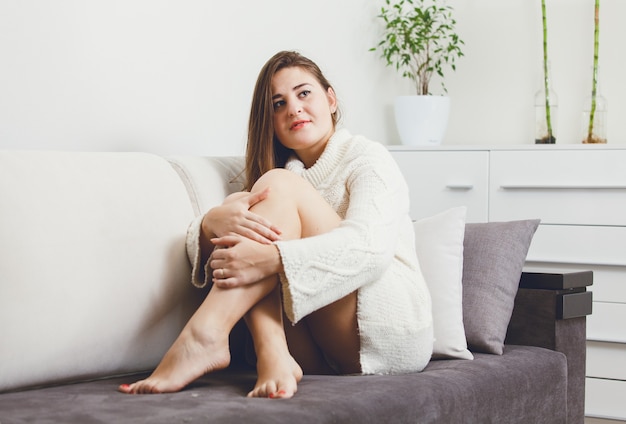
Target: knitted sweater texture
371,252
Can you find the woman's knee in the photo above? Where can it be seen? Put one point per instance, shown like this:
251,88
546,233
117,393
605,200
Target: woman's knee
280,180
294,193
286,186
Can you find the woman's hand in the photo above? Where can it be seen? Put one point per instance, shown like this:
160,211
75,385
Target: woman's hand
237,261
234,217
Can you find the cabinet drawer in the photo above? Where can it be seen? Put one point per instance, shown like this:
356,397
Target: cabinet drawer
609,284
605,398
579,244
581,187
439,180
606,360
607,322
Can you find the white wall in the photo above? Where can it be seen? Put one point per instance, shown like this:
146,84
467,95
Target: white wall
494,86
176,76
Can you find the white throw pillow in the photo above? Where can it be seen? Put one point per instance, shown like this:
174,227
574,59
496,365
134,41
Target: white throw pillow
439,245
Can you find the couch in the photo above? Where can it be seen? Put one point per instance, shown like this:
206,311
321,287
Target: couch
94,287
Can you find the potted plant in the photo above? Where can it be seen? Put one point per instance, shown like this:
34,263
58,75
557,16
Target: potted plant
419,41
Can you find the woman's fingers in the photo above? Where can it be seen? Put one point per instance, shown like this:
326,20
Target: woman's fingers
235,261
264,228
260,230
235,217
218,259
224,241
255,198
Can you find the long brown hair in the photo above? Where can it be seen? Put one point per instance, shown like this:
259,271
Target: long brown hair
264,150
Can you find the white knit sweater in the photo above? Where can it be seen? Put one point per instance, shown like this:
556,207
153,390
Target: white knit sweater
372,251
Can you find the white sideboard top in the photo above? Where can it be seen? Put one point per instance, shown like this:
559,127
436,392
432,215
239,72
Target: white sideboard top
512,147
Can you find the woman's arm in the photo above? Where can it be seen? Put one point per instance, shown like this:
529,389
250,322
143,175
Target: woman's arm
237,261
323,269
232,217
316,271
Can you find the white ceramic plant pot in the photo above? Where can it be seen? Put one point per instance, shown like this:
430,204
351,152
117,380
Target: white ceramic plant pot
422,120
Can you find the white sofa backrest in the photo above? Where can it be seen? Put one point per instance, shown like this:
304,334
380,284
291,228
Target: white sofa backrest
209,179
94,278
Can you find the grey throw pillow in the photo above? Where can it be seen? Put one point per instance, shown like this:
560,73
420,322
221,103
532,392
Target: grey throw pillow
493,256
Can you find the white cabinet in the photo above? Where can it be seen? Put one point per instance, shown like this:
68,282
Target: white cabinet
579,193
440,180
573,187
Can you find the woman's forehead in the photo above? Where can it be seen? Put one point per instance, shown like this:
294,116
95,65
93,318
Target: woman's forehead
292,78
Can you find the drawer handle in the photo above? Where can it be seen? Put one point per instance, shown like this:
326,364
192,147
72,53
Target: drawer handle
562,187
461,186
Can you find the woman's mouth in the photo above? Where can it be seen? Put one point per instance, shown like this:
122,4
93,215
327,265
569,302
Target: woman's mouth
298,125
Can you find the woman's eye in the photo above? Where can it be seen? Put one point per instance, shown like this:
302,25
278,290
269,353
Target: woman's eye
305,93
278,104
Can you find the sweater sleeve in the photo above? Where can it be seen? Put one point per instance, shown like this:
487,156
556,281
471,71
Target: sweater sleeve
199,272
322,269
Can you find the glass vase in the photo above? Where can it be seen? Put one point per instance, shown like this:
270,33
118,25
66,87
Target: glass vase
594,129
546,111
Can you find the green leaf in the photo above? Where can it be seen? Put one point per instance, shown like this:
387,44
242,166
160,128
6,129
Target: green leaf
419,38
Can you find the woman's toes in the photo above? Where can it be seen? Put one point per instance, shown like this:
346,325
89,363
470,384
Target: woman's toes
281,394
124,388
262,391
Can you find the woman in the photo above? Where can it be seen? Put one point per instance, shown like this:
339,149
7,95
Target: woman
322,236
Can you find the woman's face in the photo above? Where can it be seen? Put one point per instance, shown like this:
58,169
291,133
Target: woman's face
302,113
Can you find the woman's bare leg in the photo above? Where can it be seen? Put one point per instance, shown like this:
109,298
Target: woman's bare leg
278,372
342,344
202,346
305,350
290,195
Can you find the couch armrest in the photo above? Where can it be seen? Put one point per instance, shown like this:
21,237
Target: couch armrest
550,311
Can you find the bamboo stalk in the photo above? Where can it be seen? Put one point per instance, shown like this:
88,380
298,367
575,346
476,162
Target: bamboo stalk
545,71
594,84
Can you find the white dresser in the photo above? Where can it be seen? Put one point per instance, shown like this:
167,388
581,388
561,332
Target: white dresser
579,193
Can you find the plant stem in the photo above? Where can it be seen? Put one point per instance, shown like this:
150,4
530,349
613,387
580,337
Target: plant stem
594,84
545,70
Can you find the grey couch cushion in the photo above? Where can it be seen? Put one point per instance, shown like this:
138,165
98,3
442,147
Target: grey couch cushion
493,256
524,385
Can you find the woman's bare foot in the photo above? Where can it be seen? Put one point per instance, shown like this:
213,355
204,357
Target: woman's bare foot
278,376
192,355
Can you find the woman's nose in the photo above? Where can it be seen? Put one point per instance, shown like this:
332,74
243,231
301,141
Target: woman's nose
295,108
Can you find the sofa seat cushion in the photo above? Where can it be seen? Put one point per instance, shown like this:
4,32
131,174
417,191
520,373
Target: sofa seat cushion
525,384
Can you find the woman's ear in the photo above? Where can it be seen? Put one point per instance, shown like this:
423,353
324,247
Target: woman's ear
332,100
